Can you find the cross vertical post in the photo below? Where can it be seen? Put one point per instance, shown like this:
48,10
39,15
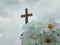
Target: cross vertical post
26,17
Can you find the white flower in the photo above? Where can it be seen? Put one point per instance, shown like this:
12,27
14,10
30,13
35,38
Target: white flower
48,33
47,39
29,26
30,36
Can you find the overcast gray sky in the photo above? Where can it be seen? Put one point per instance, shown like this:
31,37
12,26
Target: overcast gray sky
11,22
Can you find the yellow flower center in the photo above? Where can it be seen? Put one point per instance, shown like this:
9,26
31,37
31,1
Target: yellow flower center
50,26
47,40
32,36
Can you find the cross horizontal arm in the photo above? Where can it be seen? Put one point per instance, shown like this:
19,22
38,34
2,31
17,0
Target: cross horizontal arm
30,14
22,15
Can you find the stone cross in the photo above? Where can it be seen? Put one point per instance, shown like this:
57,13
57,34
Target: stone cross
26,15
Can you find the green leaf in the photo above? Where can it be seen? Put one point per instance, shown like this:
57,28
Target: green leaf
29,43
33,27
53,31
57,43
39,35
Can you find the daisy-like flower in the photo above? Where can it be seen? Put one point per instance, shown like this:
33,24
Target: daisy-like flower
29,37
48,38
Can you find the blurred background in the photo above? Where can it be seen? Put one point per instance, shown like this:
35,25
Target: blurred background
11,22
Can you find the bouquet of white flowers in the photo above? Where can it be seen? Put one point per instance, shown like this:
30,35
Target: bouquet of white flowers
38,33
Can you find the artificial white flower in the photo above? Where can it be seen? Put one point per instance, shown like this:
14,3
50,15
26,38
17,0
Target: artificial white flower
29,36
29,26
44,33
